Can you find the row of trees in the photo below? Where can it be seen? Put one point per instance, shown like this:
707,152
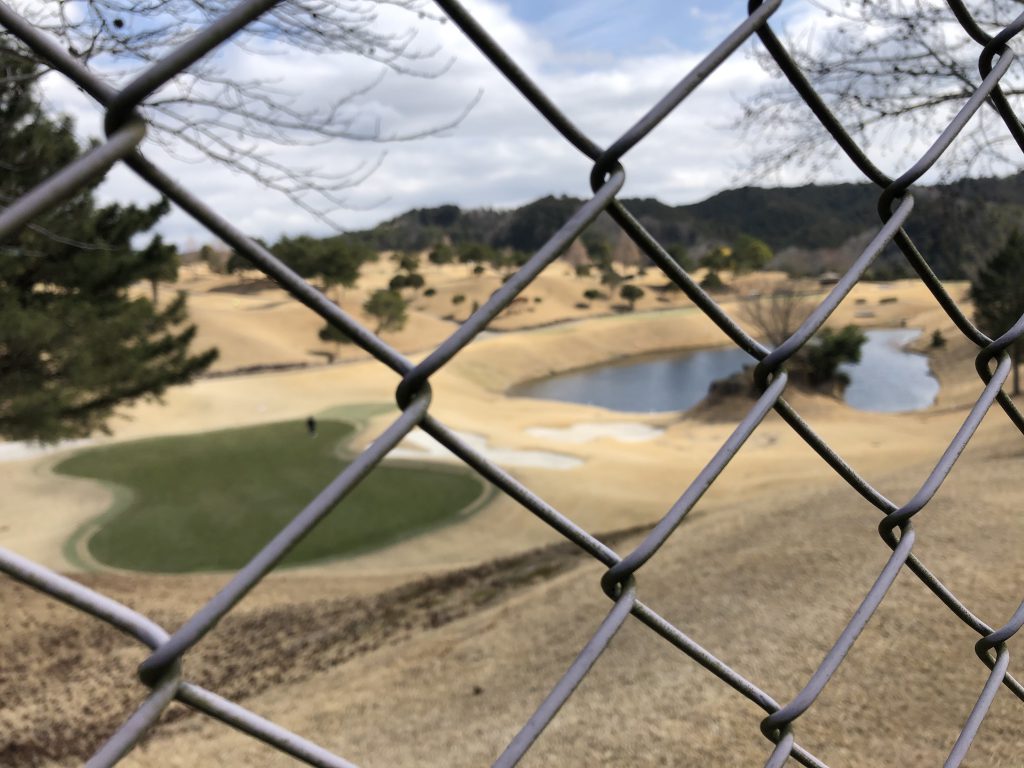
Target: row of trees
333,262
336,262
746,254
481,254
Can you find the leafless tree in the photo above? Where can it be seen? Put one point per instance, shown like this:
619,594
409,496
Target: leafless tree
775,312
894,72
212,111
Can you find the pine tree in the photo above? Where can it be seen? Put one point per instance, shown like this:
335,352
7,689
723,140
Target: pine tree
998,295
75,341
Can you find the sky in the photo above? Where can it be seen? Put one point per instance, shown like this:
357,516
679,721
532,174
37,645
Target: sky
604,62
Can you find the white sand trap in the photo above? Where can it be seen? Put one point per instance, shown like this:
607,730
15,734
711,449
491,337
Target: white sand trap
623,431
420,445
22,451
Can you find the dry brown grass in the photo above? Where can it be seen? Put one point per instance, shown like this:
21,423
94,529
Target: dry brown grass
435,651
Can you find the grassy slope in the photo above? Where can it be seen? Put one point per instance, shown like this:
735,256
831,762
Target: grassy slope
210,501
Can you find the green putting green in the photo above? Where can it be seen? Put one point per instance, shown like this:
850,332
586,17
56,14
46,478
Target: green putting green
211,501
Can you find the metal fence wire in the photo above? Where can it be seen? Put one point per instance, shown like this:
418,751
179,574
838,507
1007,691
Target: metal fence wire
162,670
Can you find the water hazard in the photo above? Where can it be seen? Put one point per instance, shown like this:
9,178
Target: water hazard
889,379
886,379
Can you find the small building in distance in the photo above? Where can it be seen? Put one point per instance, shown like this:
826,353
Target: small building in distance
828,278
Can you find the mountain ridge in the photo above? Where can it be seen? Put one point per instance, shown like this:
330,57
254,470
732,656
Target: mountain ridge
811,228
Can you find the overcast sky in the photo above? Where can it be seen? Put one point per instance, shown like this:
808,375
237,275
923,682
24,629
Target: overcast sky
605,62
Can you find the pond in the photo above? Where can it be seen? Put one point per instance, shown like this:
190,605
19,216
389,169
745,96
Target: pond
886,379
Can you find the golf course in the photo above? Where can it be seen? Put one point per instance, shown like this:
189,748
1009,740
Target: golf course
210,501
423,620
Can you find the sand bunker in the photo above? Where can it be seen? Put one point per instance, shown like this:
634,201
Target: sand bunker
21,451
419,445
623,431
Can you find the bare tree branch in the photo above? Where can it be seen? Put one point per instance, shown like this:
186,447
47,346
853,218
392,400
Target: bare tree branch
891,70
242,121
775,313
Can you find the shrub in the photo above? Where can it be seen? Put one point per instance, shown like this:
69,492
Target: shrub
829,349
593,294
442,254
712,282
329,333
407,262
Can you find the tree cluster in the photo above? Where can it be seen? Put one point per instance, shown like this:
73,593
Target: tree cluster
599,251
334,261
747,254
408,275
776,314
505,260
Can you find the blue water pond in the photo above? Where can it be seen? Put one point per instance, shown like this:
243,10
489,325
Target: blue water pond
887,378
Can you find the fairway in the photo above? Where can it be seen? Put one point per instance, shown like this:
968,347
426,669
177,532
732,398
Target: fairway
211,501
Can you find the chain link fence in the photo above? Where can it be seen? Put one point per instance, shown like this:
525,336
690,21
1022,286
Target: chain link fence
162,670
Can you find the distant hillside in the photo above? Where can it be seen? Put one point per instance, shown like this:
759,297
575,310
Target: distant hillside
810,228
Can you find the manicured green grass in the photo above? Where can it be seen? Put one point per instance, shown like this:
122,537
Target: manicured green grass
211,501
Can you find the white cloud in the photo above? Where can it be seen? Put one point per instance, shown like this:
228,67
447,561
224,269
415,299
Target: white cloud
502,154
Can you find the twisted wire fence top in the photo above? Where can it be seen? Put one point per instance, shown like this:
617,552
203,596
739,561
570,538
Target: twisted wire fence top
162,671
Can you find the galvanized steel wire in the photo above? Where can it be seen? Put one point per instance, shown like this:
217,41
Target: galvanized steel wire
162,671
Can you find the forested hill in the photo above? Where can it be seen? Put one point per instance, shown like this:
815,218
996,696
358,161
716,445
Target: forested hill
810,228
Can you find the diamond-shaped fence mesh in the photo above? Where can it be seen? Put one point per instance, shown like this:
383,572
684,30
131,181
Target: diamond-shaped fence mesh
162,670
